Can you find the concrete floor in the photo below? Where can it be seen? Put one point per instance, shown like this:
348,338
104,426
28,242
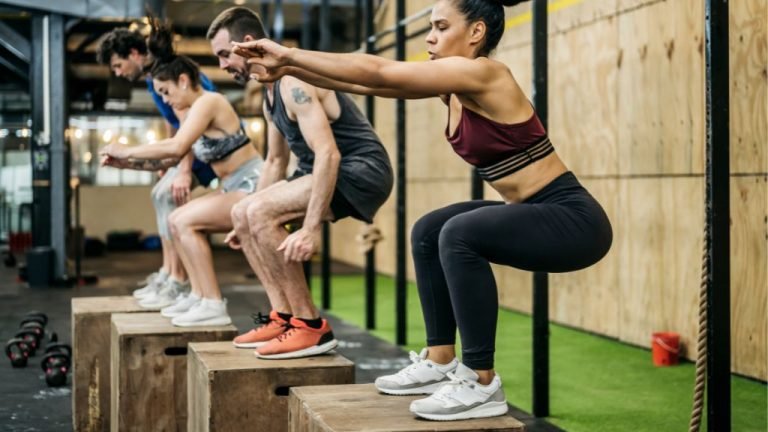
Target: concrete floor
27,404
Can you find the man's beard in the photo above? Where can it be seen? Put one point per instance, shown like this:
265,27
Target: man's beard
240,77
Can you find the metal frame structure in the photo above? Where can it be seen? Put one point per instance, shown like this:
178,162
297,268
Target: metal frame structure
717,178
540,312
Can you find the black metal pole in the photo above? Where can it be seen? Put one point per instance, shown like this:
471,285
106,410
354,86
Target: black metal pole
325,45
400,267
325,270
370,289
40,143
78,237
370,256
718,214
306,42
540,280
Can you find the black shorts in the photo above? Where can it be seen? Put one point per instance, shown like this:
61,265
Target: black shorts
340,205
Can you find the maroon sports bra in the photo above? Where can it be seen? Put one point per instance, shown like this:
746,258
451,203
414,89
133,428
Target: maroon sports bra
498,149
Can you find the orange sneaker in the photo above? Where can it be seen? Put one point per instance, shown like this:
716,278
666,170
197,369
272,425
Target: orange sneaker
272,327
299,341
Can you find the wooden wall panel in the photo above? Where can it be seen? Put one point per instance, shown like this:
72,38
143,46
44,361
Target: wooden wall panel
430,156
659,240
518,28
749,86
660,89
566,15
582,108
749,275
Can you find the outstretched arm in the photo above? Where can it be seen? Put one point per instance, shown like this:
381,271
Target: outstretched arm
331,84
432,78
196,122
140,164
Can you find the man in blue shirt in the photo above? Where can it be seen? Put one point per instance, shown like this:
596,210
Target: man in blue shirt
126,53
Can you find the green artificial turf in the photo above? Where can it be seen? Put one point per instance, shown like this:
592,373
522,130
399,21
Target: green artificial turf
597,384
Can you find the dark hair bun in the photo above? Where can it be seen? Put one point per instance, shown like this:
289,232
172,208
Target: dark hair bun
160,42
509,3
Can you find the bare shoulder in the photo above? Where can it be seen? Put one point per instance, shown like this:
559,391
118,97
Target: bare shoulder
296,92
212,99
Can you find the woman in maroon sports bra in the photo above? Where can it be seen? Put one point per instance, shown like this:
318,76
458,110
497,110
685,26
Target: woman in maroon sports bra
547,222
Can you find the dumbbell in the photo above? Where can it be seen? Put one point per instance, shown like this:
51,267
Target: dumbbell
17,350
55,365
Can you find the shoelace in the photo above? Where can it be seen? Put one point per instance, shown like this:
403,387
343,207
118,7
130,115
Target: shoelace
290,330
452,386
260,319
416,360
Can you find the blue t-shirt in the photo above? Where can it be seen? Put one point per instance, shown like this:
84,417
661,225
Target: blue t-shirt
202,171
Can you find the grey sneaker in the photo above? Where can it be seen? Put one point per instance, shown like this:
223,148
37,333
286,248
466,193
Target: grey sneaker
153,285
422,376
166,295
463,398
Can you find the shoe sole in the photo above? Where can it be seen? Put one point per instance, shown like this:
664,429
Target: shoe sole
306,352
424,390
171,314
174,314
208,322
249,344
489,409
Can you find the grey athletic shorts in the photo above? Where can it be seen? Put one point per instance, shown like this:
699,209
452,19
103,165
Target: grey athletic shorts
245,178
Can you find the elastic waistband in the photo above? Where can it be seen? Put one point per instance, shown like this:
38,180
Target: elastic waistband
565,183
517,161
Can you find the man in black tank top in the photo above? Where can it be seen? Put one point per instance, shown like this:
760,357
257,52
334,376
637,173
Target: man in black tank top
343,171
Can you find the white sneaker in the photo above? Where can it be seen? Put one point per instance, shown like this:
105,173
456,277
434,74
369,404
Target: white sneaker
182,304
208,312
463,398
152,286
166,295
421,377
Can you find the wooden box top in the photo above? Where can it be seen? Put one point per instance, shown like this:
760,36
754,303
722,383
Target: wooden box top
153,323
355,407
105,305
218,356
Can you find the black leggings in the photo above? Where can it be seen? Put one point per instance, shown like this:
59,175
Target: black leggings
561,228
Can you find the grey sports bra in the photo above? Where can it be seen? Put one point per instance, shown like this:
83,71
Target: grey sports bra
210,150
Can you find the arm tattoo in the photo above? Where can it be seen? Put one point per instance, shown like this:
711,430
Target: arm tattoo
150,164
299,96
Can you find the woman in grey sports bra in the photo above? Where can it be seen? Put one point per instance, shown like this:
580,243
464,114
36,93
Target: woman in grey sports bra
212,129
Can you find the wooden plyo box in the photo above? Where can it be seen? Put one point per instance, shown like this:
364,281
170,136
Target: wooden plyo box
232,390
90,344
149,370
358,407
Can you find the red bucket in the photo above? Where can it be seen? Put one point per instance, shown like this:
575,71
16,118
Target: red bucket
665,347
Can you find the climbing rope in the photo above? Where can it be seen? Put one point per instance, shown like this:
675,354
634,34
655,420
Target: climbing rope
701,342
